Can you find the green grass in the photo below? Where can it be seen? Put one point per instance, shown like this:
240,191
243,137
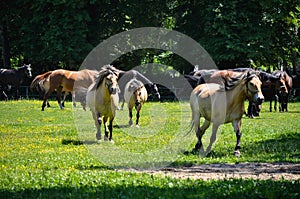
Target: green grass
42,154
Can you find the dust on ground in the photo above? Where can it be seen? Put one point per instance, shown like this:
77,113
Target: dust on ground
261,171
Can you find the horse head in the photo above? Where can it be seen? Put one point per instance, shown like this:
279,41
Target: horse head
111,82
28,70
281,85
154,91
253,89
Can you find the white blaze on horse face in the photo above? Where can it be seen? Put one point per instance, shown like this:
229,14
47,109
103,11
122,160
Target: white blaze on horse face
254,88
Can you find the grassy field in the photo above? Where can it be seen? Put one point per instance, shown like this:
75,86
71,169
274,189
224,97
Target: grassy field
54,153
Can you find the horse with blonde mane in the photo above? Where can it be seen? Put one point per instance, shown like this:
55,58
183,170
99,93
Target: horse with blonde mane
223,103
135,95
102,98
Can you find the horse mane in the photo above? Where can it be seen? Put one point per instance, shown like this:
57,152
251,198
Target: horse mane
137,75
134,85
230,81
105,71
22,67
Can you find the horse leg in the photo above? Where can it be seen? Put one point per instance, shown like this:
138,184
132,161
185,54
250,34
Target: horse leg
98,121
237,129
122,106
138,109
73,99
250,109
130,116
212,138
58,97
110,128
275,102
200,132
106,130
46,96
17,93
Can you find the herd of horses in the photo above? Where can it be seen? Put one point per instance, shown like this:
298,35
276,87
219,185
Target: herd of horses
218,95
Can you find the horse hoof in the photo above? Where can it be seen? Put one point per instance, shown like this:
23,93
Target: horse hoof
98,136
99,141
111,141
137,126
237,153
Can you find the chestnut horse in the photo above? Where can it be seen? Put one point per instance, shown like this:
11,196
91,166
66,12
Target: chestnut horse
102,98
223,103
65,81
135,95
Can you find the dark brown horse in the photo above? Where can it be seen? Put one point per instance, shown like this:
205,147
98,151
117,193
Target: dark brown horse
283,92
223,102
14,77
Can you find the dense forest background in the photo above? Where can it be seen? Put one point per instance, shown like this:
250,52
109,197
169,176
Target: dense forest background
55,34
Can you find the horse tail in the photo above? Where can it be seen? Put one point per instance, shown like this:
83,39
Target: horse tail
35,82
195,110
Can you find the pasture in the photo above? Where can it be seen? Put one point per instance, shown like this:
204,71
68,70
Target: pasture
43,153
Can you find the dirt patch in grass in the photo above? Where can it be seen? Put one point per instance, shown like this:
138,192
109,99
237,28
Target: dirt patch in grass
261,171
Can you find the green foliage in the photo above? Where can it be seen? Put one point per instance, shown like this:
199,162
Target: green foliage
50,32
41,156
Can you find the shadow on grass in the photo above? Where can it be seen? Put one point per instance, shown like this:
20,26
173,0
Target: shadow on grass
153,187
284,148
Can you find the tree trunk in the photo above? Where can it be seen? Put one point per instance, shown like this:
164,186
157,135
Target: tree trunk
5,45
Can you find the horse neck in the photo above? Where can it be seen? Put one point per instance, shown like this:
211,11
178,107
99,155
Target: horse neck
237,94
142,78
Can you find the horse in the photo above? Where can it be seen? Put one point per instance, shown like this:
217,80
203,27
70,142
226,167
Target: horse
126,76
14,77
276,83
135,95
207,99
102,98
69,82
282,93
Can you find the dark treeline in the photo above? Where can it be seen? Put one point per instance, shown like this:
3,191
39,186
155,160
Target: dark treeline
60,34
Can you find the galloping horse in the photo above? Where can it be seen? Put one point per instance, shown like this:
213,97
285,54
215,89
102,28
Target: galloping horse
135,95
102,98
282,93
14,77
126,76
207,100
63,81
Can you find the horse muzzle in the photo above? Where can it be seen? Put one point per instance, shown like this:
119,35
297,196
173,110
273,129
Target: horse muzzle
137,103
113,91
260,99
157,95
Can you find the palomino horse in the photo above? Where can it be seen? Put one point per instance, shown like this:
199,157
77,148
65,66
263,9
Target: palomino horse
14,77
208,100
102,98
135,95
282,93
63,81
